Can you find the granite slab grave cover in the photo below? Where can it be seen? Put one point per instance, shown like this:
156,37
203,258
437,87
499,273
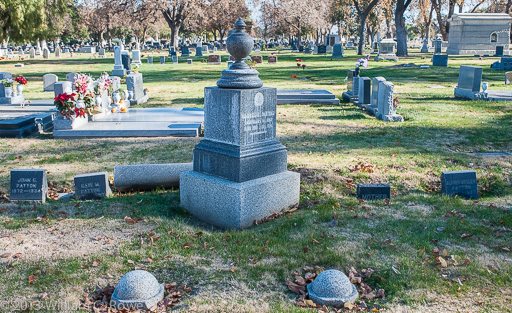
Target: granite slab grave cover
49,81
149,176
459,183
306,96
373,191
22,124
239,167
365,89
28,185
92,186
137,290
332,287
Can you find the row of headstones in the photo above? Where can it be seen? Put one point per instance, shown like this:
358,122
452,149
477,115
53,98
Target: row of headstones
216,59
453,183
378,100
45,52
185,51
32,185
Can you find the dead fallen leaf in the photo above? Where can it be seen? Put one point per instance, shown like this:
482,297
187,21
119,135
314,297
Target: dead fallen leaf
31,279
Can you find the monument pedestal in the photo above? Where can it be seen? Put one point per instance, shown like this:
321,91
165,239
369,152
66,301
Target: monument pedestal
232,205
119,72
240,170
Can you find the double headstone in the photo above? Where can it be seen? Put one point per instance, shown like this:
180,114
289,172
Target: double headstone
440,60
28,185
49,81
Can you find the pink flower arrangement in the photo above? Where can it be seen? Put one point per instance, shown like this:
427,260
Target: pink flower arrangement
298,65
294,76
303,66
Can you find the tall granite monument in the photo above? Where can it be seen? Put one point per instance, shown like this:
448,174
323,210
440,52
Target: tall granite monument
240,168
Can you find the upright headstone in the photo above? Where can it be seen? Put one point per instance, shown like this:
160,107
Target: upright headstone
101,53
49,81
28,185
459,183
46,53
70,77
257,58
32,53
125,59
387,50
62,87
172,51
470,78
199,51
272,59
322,49
499,51
438,45
3,75
162,59
440,60
214,59
337,51
508,78
92,186
364,92
134,82
185,52
57,52
240,168
150,60
374,104
136,57
116,82
118,70
328,49
387,108
204,49
424,48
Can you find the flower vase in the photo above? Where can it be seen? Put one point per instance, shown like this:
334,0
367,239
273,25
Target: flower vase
116,97
8,92
19,88
485,85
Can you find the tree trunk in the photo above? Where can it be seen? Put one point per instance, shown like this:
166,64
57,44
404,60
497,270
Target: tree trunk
175,38
362,33
299,37
401,33
144,34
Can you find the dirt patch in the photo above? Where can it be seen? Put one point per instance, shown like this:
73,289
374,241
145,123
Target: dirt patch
71,238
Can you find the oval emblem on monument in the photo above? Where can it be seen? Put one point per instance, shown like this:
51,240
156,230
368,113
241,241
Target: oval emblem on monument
258,99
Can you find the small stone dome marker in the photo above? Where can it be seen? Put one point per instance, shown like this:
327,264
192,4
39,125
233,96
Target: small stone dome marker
332,287
137,289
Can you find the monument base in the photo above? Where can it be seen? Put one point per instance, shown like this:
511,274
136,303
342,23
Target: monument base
12,100
390,118
347,96
372,110
231,205
142,99
119,72
386,57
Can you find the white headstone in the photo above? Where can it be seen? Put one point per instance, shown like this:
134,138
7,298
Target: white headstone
32,53
49,81
46,53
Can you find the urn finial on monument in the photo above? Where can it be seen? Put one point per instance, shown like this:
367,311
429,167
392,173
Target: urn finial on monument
240,75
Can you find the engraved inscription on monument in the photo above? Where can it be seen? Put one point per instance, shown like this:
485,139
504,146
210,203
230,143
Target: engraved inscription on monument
460,183
92,186
258,125
28,185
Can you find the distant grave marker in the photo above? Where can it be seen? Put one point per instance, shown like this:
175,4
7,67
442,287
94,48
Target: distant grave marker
460,183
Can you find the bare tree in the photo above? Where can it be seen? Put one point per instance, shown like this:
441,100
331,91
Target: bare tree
363,8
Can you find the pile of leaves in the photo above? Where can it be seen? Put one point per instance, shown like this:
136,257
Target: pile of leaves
99,300
364,167
299,287
53,193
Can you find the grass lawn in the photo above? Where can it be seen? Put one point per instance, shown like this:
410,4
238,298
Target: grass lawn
429,253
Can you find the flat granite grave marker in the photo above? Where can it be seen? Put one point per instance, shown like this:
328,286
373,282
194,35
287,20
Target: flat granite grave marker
28,185
459,183
92,186
373,191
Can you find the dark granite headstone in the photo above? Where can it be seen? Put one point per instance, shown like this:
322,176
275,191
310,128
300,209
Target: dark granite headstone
440,60
350,82
162,59
461,183
185,52
364,91
322,49
29,185
499,51
373,191
470,78
92,186
301,48
125,60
